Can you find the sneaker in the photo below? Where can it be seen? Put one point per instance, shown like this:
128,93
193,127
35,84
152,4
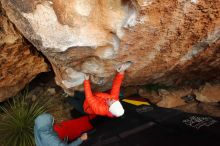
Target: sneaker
124,66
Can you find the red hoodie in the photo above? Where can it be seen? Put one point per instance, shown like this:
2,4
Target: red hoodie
73,129
97,103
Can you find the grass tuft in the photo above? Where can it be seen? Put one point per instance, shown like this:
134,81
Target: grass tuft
17,120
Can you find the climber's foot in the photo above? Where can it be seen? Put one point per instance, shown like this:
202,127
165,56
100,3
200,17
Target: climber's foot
124,66
86,76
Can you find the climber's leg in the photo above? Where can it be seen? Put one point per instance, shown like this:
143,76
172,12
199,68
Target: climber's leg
77,101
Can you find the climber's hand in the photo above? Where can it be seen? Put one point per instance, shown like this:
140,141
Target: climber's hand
84,137
124,66
86,76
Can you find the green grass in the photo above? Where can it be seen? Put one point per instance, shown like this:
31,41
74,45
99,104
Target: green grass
17,120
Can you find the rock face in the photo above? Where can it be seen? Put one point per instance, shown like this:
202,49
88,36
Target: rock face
18,63
172,99
208,93
152,96
166,98
172,42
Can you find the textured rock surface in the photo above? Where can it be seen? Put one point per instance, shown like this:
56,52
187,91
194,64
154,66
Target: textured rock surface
208,93
166,98
171,42
211,109
18,64
152,96
172,99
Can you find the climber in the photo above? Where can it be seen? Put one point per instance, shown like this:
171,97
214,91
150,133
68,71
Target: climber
103,104
45,135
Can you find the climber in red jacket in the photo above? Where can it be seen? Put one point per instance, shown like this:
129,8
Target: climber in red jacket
104,104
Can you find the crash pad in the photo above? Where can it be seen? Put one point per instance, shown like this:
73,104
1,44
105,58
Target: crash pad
148,125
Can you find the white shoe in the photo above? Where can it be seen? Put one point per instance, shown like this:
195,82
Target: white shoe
124,66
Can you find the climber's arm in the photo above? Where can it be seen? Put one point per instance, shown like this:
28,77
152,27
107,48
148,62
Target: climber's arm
87,89
116,85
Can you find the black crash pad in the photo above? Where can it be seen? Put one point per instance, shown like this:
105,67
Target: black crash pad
154,126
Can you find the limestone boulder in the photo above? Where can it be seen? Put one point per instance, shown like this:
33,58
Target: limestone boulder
19,60
152,96
171,99
208,93
172,42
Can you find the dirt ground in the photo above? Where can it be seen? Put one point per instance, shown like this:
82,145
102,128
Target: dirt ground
44,87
